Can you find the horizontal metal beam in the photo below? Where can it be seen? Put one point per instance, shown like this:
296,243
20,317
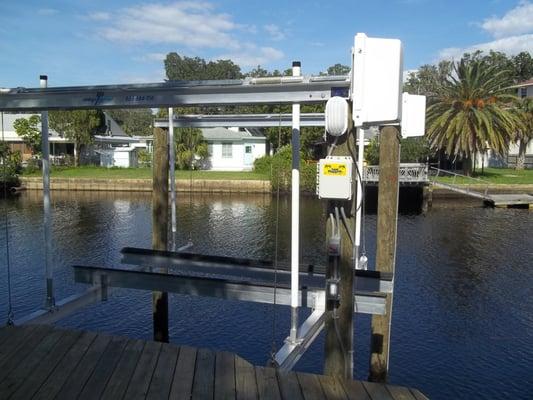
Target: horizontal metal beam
239,268
192,263
242,120
173,93
366,303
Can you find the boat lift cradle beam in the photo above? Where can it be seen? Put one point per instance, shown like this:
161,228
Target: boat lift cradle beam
175,93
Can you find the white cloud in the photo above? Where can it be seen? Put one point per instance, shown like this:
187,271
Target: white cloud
509,45
274,31
253,56
517,21
191,24
99,16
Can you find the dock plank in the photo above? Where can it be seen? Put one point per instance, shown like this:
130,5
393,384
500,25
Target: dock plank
103,370
267,383
311,388
204,375
400,393
19,339
60,374
245,381
77,379
25,369
183,374
377,391
332,388
163,373
225,376
418,395
39,374
355,390
289,386
142,376
118,383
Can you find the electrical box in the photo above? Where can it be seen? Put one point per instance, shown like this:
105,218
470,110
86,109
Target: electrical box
376,90
413,115
334,178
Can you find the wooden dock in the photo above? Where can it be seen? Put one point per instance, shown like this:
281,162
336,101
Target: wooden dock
44,362
510,200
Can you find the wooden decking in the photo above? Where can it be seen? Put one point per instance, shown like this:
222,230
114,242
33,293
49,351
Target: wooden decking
43,362
510,200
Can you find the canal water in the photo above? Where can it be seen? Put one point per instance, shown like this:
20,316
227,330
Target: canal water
463,304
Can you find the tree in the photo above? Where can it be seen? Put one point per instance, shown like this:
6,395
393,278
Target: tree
338,69
133,121
191,148
195,68
427,79
523,66
27,129
524,133
471,111
79,126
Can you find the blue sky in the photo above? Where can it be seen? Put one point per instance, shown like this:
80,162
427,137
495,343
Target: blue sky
104,41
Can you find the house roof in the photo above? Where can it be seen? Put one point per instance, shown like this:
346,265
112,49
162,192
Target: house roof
527,83
225,134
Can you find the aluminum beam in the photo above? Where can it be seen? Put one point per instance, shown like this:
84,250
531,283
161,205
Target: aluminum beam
190,263
174,93
289,354
366,303
242,120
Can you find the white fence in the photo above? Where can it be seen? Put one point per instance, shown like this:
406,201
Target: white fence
409,173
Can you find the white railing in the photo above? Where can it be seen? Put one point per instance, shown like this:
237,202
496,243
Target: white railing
460,183
409,173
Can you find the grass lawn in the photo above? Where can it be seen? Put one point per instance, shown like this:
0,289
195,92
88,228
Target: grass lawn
86,172
502,176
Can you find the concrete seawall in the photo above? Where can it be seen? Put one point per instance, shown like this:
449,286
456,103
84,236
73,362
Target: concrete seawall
145,185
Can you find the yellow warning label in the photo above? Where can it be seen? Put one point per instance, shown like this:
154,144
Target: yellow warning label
335,169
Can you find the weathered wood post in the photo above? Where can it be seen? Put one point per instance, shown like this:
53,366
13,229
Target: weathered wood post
389,165
160,227
338,355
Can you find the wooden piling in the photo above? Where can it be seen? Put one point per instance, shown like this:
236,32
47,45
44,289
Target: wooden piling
160,172
338,354
389,164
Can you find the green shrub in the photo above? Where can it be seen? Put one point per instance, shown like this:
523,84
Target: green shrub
279,167
32,166
10,164
144,157
413,150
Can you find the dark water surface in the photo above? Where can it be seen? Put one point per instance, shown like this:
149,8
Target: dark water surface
463,302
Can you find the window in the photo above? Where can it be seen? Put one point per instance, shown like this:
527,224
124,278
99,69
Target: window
248,149
227,150
523,92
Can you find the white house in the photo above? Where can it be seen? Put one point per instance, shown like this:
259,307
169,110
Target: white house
233,149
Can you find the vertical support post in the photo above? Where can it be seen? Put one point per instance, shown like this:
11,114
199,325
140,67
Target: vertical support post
172,161
295,211
338,346
160,227
389,165
359,194
47,212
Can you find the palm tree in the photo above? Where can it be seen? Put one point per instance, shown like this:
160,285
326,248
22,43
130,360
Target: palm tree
471,112
525,133
190,146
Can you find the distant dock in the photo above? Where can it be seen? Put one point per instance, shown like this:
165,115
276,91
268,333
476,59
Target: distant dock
44,362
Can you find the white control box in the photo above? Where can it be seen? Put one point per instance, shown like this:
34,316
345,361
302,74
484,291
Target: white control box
413,115
334,178
376,90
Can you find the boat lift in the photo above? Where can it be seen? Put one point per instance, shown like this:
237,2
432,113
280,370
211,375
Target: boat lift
374,91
